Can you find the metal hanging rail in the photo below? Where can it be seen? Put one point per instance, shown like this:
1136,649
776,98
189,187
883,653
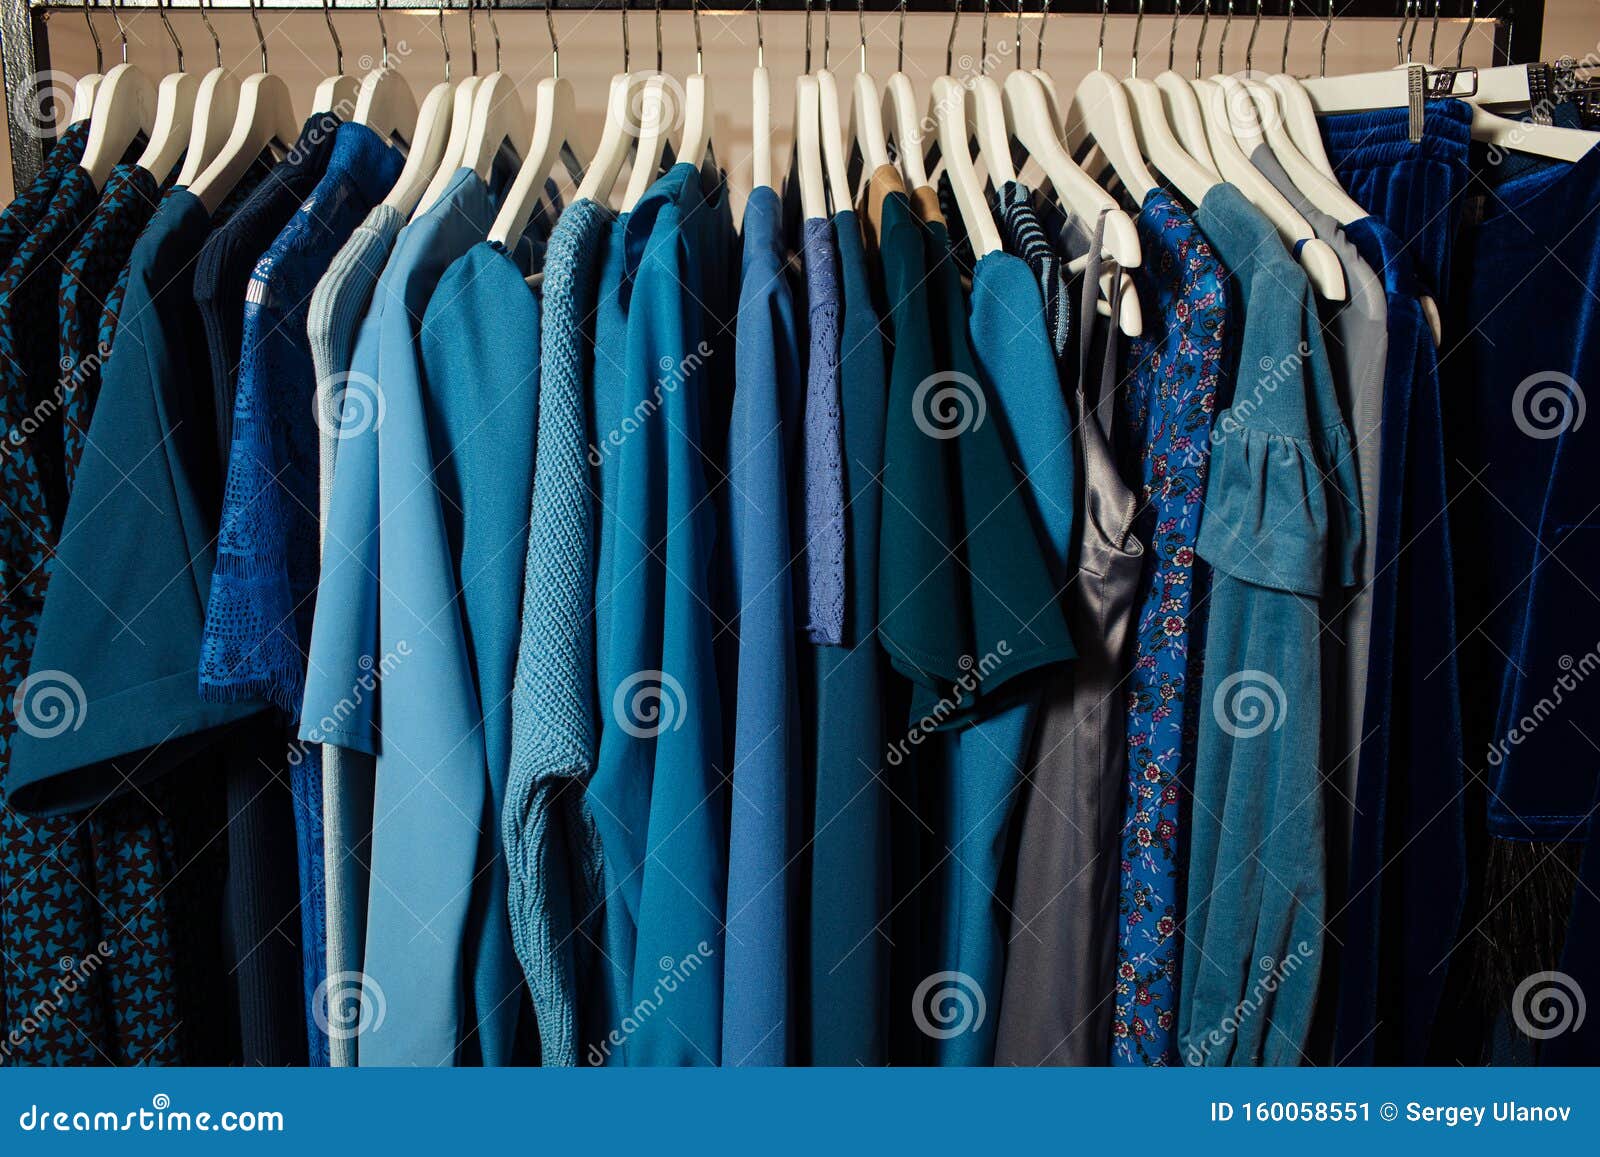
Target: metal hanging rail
25,45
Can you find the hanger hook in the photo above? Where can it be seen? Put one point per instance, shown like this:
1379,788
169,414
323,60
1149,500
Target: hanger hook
94,34
261,40
1138,25
1200,42
1038,44
161,10
900,41
761,43
658,34
1172,34
1433,33
205,18
861,28
1016,49
494,30
1100,49
1327,26
333,34
807,69
1222,42
1416,23
444,40
1288,30
949,44
983,40
1400,36
1250,45
383,33
827,31
472,34
556,45
122,33
699,50
1461,45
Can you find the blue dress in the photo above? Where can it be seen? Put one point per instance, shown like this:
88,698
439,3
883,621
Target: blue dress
1168,402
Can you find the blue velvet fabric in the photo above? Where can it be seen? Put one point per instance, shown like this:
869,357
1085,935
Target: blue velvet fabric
1408,849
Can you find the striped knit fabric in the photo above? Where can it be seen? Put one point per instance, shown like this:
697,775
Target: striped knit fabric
552,845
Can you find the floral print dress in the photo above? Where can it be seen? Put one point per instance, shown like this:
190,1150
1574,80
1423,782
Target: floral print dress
1167,399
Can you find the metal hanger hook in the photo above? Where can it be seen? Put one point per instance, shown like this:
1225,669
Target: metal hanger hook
658,34
699,49
333,34
1222,43
983,40
1038,44
807,68
383,34
1288,30
444,41
1016,59
216,41
1400,35
827,30
949,44
161,10
861,29
1172,34
1433,33
1461,45
472,34
900,41
494,30
1138,26
1200,42
122,33
1250,45
1327,26
261,40
94,34
1100,48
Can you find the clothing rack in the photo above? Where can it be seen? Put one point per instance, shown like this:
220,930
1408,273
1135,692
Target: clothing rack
25,46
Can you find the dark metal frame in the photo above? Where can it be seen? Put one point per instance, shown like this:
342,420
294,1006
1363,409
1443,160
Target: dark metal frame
25,46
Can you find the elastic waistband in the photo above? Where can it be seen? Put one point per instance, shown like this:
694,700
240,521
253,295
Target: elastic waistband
1383,136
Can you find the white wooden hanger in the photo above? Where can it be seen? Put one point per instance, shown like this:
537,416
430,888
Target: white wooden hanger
216,105
1154,132
462,100
656,112
866,107
1099,112
902,118
266,115
617,135
124,109
175,97
1183,109
336,94
498,116
696,139
1299,118
555,124
954,135
1032,117
385,104
806,164
830,115
83,91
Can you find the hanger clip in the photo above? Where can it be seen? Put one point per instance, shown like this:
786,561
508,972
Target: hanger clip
1416,87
